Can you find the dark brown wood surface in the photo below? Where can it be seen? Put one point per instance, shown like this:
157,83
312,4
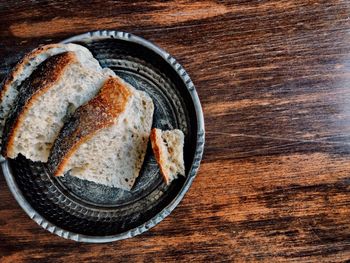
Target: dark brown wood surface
274,81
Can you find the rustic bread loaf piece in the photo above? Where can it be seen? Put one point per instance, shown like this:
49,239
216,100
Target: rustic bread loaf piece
168,150
57,86
105,140
28,64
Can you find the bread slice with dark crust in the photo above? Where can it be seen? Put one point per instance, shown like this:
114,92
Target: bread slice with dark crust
28,59
105,140
100,112
29,63
42,79
54,89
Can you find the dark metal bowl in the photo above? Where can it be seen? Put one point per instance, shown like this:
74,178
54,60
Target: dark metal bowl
89,212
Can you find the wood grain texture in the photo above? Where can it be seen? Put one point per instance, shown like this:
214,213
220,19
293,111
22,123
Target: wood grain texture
274,81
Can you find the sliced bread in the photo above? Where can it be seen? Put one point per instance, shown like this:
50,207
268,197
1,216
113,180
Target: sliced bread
105,140
56,87
168,151
28,64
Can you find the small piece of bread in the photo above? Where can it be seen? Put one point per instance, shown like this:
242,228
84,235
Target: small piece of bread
56,87
168,150
105,140
29,63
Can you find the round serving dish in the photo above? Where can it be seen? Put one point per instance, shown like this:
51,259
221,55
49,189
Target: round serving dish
87,212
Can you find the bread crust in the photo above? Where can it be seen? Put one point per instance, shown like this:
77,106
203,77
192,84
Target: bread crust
42,79
156,141
88,119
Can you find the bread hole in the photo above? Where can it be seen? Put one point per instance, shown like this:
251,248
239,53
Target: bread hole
39,147
77,97
165,142
40,137
77,170
49,120
78,88
70,109
20,148
170,150
126,179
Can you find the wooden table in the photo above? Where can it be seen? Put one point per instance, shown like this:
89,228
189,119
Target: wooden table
274,81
